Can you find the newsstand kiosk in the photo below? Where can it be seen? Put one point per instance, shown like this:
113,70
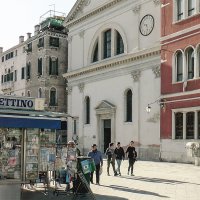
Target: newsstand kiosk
24,126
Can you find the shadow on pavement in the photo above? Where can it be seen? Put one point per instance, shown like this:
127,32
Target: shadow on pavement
105,197
126,189
40,195
156,180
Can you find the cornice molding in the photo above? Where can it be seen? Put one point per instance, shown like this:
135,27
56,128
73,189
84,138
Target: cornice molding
180,33
71,21
139,56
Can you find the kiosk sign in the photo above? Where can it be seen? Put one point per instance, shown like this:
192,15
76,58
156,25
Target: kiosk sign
13,102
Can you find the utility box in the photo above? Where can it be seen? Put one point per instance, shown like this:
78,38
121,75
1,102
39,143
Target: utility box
193,150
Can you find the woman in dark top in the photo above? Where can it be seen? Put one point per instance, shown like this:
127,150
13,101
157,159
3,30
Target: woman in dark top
132,155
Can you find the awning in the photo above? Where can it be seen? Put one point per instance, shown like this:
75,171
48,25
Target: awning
29,122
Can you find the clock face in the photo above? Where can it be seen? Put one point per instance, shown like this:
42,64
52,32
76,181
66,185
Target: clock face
146,25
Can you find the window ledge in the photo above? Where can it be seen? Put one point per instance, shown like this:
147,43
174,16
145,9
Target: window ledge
53,76
128,123
40,48
54,48
188,80
185,19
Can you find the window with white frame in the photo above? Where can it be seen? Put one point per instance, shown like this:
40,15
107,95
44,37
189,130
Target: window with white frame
191,7
190,69
185,8
109,43
179,10
187,124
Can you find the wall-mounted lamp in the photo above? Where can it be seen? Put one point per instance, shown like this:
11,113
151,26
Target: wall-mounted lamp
148,108
161,102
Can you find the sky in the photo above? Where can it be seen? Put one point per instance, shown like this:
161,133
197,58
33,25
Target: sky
18,17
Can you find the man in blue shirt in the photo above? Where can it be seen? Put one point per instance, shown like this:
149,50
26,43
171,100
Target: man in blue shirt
97,156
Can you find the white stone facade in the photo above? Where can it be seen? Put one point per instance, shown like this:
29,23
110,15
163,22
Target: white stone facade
106,81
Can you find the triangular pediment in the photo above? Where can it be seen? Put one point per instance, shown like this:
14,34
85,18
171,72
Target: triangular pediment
82,7
105,105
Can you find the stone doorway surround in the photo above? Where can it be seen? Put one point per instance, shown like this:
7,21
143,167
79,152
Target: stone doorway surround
105,110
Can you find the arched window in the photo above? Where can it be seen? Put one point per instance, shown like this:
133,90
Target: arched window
109,42
52,97
119,44
178,125
95,57
40,93
129,106
179,66
87,110
190,63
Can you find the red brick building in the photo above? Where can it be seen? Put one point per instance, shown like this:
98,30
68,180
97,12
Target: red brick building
180,77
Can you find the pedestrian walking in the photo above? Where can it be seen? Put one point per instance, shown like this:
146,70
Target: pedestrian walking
120,155
111,158
97,156
132,155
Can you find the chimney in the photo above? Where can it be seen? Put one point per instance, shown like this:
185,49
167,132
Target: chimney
37,29
21,39
28,36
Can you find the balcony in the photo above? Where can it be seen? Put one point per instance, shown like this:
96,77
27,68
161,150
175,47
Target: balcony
7,86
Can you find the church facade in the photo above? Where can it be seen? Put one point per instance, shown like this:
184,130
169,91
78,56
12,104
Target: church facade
114,73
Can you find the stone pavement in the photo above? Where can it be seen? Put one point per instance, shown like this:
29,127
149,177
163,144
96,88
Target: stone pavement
152,181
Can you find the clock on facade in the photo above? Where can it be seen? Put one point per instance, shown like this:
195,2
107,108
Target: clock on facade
146,25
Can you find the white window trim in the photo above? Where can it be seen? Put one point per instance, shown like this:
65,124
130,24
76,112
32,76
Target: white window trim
184,111
185,67
185,10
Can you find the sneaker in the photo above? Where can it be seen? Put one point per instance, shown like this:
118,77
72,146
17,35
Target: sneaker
119,174
132,174
115,174
97,183
128,173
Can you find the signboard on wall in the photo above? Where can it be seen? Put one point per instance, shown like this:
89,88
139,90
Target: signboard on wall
21,103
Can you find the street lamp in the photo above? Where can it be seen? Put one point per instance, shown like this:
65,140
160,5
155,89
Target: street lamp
159,101
148,108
